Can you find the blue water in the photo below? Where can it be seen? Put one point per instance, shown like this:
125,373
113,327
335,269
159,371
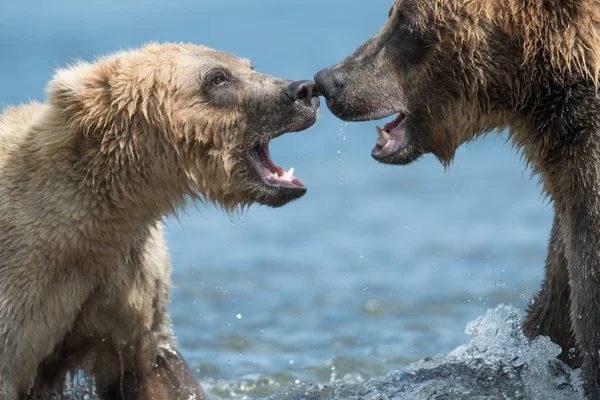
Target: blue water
376,267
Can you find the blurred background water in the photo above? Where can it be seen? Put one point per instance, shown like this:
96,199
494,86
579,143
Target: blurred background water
374,268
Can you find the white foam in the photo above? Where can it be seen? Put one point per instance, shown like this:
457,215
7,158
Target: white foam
498,363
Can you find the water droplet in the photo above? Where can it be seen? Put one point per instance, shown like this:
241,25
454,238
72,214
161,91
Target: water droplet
297,381
291,362
341,141
239,316
372,306
499,282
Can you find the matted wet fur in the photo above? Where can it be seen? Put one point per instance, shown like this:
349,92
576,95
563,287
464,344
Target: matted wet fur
456,69
84,183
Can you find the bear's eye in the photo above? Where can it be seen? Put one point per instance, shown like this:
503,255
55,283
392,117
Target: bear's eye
402,18
404,23
218,78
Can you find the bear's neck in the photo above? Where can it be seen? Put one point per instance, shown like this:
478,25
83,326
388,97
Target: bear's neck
557,125
100,188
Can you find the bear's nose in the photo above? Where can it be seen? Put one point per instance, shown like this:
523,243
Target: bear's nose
301,91
329,82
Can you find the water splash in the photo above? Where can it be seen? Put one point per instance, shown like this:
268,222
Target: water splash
499,362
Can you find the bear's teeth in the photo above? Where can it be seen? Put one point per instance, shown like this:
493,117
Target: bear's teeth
288,175
383,136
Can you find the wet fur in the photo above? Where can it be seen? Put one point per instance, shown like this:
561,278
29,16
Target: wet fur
531,66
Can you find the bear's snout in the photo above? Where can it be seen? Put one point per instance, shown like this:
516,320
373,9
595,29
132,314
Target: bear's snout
329,83
301,91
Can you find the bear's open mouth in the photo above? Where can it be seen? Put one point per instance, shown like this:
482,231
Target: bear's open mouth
392,138
269,173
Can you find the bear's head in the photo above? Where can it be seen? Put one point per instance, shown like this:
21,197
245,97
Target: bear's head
452,69
166,121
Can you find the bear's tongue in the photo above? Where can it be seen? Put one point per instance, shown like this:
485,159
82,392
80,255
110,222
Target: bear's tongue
270,173
391,138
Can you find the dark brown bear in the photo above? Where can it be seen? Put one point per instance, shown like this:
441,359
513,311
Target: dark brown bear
452,70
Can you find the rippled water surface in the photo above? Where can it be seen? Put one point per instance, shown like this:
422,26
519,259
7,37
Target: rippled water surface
375,268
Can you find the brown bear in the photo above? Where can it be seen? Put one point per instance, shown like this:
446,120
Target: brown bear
453,70
84,183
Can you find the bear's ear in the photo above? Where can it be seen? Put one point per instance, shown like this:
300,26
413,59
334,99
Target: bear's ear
82,93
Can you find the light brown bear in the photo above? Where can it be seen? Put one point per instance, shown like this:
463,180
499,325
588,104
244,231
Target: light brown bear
84,183
452,70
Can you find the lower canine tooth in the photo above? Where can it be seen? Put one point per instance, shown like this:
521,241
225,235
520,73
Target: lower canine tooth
383,135
288,175
383,138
